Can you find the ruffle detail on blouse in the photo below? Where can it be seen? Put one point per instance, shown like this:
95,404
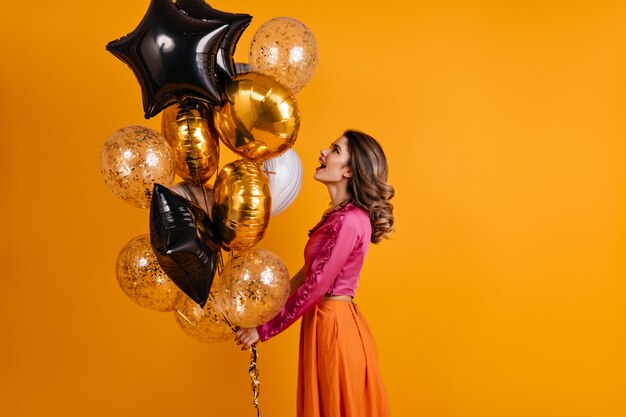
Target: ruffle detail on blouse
327,215
312,281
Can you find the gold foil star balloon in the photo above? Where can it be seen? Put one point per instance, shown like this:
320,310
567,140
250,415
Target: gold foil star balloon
260,120
241,205
285,49
132,160
142,279
253,287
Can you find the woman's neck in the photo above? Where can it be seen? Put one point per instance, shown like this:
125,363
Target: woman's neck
338,196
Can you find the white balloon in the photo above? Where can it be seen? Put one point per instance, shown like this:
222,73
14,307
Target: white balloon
285,177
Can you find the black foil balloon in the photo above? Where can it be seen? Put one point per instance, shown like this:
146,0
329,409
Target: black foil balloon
225,64
173,56
184,241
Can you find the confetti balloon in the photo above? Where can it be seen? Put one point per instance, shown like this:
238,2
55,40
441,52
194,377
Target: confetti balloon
203,324
285,49
241,205
253,287
260,120
142,279
189,130
132,160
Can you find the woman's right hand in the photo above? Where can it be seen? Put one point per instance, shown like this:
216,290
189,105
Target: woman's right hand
247,337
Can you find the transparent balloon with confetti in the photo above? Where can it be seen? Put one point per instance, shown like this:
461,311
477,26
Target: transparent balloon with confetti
285,49
253,287
132,160
142,279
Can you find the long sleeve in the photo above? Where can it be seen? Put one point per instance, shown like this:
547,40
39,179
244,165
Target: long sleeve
320,275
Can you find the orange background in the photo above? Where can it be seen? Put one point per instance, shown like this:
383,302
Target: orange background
501,294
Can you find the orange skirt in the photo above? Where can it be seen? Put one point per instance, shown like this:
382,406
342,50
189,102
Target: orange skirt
338,372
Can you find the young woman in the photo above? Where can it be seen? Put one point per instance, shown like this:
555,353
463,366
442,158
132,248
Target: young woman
338,373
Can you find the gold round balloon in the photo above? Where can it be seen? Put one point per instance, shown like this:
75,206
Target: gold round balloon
241,205
200,195
189,130
142,279
285,49
260,120
203,324
132,160
253,287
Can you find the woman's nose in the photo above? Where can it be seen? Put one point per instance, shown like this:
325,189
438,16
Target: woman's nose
323,152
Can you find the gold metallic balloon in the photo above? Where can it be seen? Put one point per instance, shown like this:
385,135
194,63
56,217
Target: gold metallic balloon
132,160
260,120
285,49
200,195
203,324
142,279
241,204
253,287
189,130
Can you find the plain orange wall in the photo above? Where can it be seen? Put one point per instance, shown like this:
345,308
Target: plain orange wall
502,292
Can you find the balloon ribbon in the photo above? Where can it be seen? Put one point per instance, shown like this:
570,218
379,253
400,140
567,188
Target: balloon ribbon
254,376
252,369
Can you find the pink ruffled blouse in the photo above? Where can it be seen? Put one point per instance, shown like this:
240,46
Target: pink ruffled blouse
333,257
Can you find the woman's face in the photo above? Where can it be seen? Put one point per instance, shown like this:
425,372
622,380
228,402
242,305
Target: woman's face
334,160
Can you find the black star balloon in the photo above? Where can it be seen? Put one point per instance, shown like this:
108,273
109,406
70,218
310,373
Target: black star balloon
225,67
184,242
173,56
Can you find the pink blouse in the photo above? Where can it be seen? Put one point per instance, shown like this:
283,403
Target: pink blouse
333,257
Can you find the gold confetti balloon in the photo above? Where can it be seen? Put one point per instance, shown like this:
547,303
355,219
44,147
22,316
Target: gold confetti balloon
260,120
190,132
253,287
241,205
203,324
142,279
285,49
132,160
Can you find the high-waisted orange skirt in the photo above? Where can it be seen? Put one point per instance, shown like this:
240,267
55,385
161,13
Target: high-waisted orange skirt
338,372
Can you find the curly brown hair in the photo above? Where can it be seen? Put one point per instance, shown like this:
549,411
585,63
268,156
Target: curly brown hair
368,185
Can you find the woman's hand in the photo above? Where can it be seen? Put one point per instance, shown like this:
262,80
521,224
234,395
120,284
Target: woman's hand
247,337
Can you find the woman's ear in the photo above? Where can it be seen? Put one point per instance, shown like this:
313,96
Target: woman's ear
347,173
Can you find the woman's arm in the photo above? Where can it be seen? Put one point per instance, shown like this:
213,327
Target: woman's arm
248,337
297,280
318,277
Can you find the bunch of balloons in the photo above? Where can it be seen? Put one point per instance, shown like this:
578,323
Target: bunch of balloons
182,56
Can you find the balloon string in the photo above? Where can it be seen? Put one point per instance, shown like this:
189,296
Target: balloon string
224,317
252,369
254,377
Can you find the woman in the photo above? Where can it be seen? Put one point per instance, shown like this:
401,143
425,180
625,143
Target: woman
338,373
